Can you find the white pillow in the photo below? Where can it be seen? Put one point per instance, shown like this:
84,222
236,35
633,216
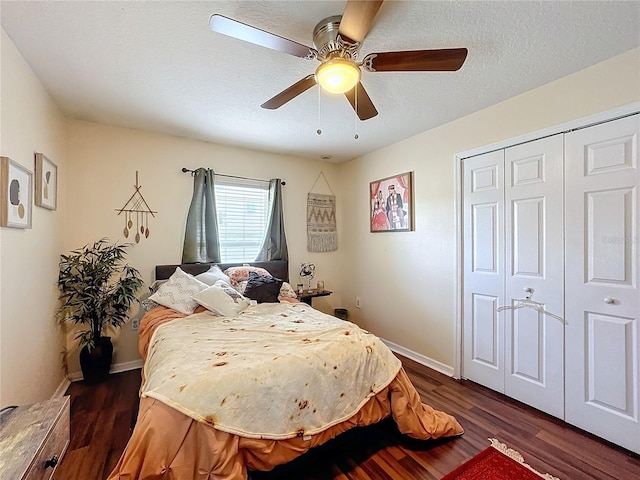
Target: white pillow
211,276
176,293
222,299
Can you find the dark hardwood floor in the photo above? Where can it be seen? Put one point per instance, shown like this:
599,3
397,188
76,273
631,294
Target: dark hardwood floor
103,415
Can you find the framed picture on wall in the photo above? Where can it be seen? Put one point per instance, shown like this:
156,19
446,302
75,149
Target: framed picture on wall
391,204
16,185
46,182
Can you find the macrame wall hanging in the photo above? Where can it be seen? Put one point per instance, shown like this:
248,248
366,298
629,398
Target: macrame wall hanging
322,233
136,208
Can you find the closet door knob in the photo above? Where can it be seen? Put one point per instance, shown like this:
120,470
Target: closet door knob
609,300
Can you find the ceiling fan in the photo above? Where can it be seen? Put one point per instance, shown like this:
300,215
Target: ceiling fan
337,41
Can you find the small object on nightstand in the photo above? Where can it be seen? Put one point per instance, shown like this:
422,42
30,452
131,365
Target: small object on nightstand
308,271
300,288
320,286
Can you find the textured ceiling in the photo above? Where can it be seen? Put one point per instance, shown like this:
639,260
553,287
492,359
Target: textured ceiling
156,66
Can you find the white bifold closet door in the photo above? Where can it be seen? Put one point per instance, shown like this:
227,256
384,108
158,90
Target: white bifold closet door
602,291
535,268
483,273
513,249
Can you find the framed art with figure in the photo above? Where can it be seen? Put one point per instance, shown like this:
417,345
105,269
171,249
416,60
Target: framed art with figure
46,182
391,204
16,190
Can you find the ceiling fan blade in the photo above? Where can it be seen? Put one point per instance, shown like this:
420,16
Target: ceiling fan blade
357,19
364,107
290,93
449,59
242,31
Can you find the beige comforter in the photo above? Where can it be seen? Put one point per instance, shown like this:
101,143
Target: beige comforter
168,445
308,370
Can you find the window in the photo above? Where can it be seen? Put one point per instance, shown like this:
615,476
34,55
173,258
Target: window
242,206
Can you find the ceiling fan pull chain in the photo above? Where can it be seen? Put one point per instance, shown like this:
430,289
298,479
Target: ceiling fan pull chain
319,130
355,119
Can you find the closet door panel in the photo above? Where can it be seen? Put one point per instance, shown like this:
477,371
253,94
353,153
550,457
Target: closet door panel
602,291
483,252
609,347
534,341
527,350
609,221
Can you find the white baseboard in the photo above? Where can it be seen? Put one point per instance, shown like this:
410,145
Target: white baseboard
421,359
126,366
115,368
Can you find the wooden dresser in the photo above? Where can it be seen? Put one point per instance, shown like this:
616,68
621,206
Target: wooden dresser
33,439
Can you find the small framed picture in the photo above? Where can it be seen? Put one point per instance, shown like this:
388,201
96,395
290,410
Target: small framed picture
391,204
16,186
46,182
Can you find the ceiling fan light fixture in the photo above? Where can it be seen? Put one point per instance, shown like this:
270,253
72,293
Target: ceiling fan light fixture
338,75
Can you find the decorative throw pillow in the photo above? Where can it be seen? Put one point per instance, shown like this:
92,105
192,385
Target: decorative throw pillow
176,293
240,274
263,288
287,291
148,304
211,276
222,299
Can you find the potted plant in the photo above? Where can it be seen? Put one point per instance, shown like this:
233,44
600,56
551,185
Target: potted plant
96,291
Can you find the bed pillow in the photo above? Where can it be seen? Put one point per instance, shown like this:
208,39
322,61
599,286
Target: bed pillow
176,292
263,288
211,276
240,274
222,299
241,286
148,304
287,291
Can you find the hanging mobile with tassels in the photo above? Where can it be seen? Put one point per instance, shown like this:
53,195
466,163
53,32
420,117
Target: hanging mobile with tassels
138,206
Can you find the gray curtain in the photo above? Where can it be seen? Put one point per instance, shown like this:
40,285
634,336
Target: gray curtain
274,246
201,242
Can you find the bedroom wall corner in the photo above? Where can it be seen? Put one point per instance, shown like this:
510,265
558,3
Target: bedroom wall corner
31,366
407,281
103,161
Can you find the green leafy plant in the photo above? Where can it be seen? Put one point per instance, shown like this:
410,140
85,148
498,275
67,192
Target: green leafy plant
97,289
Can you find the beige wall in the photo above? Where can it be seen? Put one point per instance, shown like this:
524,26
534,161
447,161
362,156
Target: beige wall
30,340
102,164
407,280
96,168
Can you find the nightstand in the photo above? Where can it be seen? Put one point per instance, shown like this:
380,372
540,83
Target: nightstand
33,439
307,296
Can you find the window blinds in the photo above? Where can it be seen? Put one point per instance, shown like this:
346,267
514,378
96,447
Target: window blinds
242,207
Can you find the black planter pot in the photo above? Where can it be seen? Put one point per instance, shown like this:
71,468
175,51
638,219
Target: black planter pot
95,364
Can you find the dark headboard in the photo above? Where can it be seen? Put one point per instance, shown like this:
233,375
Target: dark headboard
277,268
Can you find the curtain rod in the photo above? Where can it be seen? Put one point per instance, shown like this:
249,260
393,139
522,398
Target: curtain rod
186,170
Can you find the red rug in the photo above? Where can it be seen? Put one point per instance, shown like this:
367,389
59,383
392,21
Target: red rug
497,462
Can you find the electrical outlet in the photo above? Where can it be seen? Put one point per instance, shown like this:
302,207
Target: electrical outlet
358,303
135,323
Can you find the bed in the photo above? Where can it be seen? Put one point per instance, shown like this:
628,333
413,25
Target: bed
224,395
